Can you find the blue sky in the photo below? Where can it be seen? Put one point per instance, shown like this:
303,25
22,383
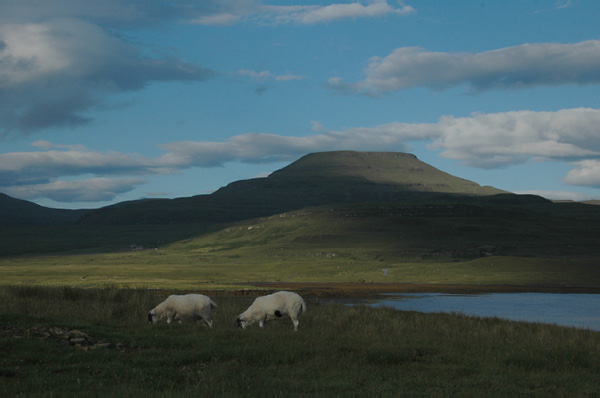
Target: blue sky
102,102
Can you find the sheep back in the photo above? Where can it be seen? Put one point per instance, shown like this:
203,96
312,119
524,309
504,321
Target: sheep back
184,306
275,305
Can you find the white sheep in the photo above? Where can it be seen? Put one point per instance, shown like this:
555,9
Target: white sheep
272,306
187,306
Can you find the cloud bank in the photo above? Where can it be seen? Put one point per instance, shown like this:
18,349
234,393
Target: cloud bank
52,72
298,14
60,59
517,67
483,140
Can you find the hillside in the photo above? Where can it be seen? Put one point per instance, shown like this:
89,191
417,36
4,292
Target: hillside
473,240
17,212
391,203
411,232
315,179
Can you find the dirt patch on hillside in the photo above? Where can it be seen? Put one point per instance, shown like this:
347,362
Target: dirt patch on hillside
324,289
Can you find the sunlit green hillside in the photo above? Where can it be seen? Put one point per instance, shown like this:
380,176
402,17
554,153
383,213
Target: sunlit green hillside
479,243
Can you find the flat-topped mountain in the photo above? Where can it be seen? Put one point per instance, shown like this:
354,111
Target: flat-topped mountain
391,204
392,169
315,179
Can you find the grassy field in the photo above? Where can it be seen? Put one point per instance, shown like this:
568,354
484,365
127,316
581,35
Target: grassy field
337,351
189,270
357,244
434,243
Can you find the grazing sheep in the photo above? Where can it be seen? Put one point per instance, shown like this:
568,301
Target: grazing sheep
187,306
273,306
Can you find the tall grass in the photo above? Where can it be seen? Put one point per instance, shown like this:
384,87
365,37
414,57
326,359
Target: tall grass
337,351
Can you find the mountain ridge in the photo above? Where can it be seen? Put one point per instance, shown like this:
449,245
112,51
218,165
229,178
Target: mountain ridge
315,179
395,168
372,208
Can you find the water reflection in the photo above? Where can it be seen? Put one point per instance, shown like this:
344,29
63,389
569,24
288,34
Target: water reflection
577,310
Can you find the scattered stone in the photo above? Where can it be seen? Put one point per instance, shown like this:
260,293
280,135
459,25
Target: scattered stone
75,338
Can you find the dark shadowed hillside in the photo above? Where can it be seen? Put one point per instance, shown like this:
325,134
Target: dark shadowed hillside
390,203
17,212
316,179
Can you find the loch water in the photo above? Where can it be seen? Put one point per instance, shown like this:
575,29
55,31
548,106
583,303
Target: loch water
574,310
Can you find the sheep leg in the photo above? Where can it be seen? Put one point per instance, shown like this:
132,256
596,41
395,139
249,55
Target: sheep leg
296,323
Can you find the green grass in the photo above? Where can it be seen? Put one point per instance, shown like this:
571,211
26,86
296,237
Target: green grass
176,268
474,243
338,351
353,243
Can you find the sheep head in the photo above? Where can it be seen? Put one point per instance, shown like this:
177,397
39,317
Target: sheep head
242,323
152,318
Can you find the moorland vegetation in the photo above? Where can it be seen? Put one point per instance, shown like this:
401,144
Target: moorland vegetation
337,350
76,287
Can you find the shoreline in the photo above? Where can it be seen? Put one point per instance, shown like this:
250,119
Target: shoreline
357,289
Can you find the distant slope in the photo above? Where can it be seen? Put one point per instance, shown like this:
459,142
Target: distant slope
372,233
17,212
315,179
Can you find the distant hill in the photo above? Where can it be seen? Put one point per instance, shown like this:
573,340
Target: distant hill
384,205
17,212
403,171
315,179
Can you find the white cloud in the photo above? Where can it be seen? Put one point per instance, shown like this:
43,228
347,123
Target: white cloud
42,167
221,19
134,13
267,75
311,14
52,72
264,148
89,190
585,173
231,12
503,139
515,67
120,13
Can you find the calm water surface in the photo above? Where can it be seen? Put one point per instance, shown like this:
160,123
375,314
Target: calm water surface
577,310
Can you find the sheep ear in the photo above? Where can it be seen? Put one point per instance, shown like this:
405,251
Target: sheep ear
278,314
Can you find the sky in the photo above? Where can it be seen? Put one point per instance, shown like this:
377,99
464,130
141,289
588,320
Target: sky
108,101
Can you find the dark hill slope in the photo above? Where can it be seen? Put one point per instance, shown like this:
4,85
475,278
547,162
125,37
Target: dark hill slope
370,233
17,212
316,179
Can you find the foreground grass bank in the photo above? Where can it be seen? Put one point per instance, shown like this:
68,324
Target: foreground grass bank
338,350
